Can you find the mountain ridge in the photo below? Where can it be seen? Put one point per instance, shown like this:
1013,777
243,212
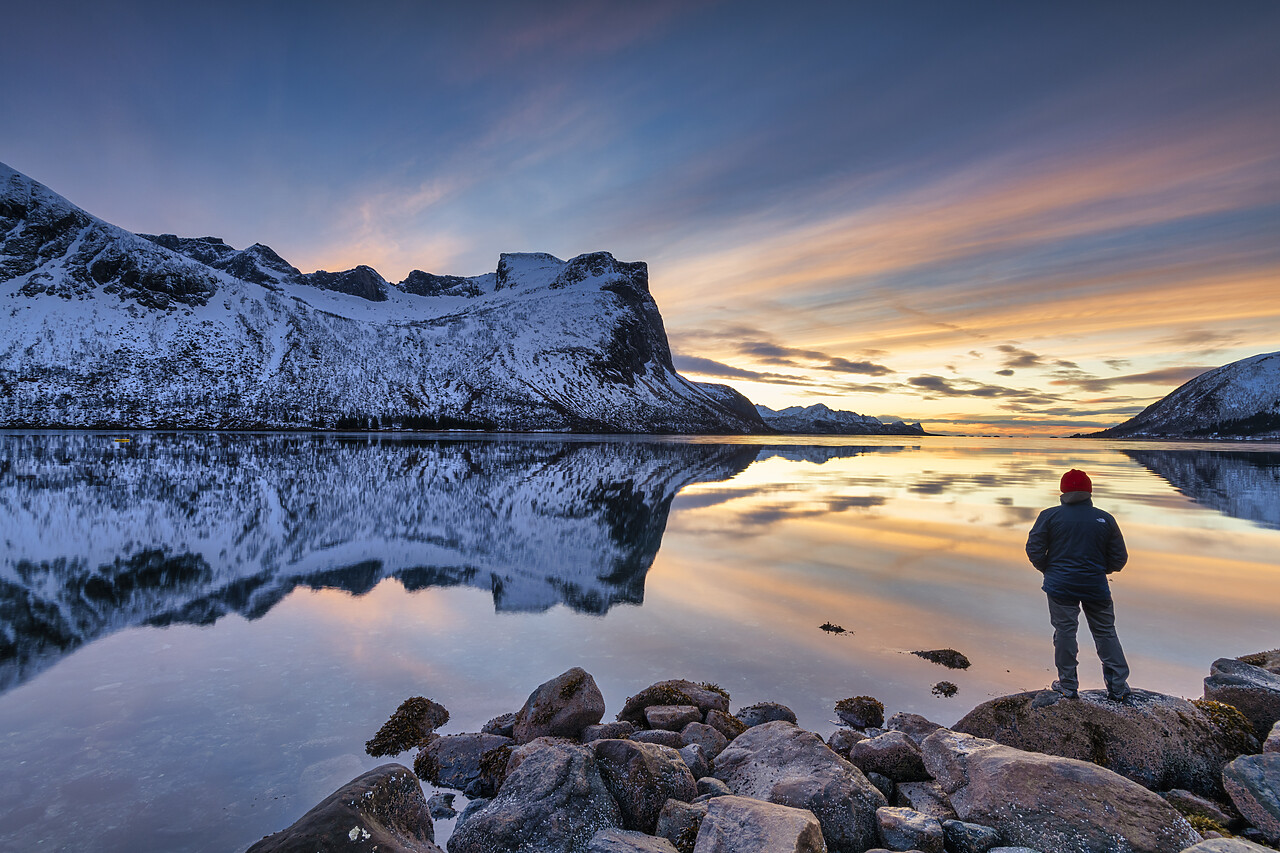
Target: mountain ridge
1236,400
100,327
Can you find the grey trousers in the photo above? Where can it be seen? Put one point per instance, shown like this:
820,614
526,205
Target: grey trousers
1101,616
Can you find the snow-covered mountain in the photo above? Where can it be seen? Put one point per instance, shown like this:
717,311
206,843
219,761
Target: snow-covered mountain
101,535
1238,400
103,327
818,419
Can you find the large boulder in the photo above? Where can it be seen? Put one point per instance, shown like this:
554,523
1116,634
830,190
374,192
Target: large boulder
674,692
1051,804
787,765
561,707
908,829
642,777
1252,689
1253,783
893,754
1161,742
744,825
471,763
553,801
913,726
627,841
383,809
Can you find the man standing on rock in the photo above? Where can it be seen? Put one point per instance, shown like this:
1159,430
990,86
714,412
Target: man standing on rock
1075,546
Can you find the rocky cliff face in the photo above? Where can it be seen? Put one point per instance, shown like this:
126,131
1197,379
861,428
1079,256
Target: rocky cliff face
1238,400
101,327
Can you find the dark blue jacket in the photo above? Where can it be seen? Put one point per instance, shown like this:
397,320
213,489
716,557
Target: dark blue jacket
1075,546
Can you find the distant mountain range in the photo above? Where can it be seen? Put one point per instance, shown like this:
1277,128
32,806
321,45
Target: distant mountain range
1238,400
818,419
102,327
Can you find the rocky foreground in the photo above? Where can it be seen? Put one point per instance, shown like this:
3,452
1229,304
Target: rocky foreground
676,772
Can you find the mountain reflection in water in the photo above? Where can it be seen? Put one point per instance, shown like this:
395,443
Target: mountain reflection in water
1239,484
186,528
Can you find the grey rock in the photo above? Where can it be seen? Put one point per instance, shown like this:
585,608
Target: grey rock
925,797
441,807
553,801
671,717
672,692
1018,849
893,754
883,784
627,841
1252,689
964,837
678,822
1056,804
1227,845
659,736
908,829
696,760
710,786
744,825
1161,742
1253,783
1193,804
642,777
842,740
913,726
384,808
708,737
602,731
504,725
1272,743
474,806
784,764
765,712
561,707
461,761
726,724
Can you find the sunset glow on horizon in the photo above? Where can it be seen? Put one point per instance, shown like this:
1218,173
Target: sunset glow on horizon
1001,217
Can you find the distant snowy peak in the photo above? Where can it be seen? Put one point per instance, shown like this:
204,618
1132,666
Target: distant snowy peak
1238,400
820,419
105,328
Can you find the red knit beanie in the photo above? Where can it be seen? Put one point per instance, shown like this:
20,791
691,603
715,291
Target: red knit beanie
1076,481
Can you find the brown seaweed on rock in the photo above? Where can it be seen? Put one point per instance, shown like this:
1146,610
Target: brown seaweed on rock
411,725
950,658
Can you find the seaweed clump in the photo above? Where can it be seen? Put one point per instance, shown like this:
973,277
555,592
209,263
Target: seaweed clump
861,711
831,628
950,658
1203,825
714,688
946,689
411,725
1235,727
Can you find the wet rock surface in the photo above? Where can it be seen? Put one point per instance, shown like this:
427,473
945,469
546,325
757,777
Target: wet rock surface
742,825
1161,742
642,777
765,712
382,809
892,754
553,801
908,829
1051,803
465,762
784,764
1253,783
561,707
1253,689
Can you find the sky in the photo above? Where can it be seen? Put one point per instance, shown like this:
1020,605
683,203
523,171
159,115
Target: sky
994,218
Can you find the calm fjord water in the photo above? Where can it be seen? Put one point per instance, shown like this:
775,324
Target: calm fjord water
198,632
